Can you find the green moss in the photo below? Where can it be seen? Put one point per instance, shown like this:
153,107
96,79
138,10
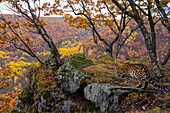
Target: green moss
26,95
137,60
99,69
47,95
42,84
78,56
36,76
106,58
79,60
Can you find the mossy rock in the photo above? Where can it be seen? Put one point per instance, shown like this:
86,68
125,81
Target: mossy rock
44,79
26,95
71,73
78,56
79,61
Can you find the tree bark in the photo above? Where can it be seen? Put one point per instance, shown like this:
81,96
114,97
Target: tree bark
55,55
110,51
150,45
117,51
167,56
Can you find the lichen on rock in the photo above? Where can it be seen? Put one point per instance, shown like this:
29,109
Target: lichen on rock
70,72
107,96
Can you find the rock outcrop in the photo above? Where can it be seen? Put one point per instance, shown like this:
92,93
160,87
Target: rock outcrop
70,73
65,90
107,96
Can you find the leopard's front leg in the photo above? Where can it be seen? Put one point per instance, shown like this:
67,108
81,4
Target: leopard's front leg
139,85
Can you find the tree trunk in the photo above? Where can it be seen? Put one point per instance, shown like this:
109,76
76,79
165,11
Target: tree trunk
55,54
155,64
151,50
166,58
117,51
116,54
110,51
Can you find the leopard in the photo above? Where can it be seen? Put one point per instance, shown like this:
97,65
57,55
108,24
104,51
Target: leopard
141,73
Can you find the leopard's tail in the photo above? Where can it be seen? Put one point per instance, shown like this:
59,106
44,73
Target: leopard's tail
159,87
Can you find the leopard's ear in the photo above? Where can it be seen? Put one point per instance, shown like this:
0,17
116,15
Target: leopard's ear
119,65
117,69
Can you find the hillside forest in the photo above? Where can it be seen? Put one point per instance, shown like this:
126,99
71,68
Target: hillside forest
132,30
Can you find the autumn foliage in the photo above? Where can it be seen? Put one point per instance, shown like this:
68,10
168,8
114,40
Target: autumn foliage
94,29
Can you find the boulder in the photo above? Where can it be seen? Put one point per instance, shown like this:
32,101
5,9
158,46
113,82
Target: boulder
70,73
107,96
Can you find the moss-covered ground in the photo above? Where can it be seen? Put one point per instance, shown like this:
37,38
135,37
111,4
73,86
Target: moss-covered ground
104,71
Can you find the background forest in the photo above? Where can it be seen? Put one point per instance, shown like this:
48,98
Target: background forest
70,40
93,35
14,63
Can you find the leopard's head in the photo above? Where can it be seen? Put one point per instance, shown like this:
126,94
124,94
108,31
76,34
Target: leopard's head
121,73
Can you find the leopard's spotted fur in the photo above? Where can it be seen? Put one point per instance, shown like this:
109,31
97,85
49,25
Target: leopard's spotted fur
141,73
